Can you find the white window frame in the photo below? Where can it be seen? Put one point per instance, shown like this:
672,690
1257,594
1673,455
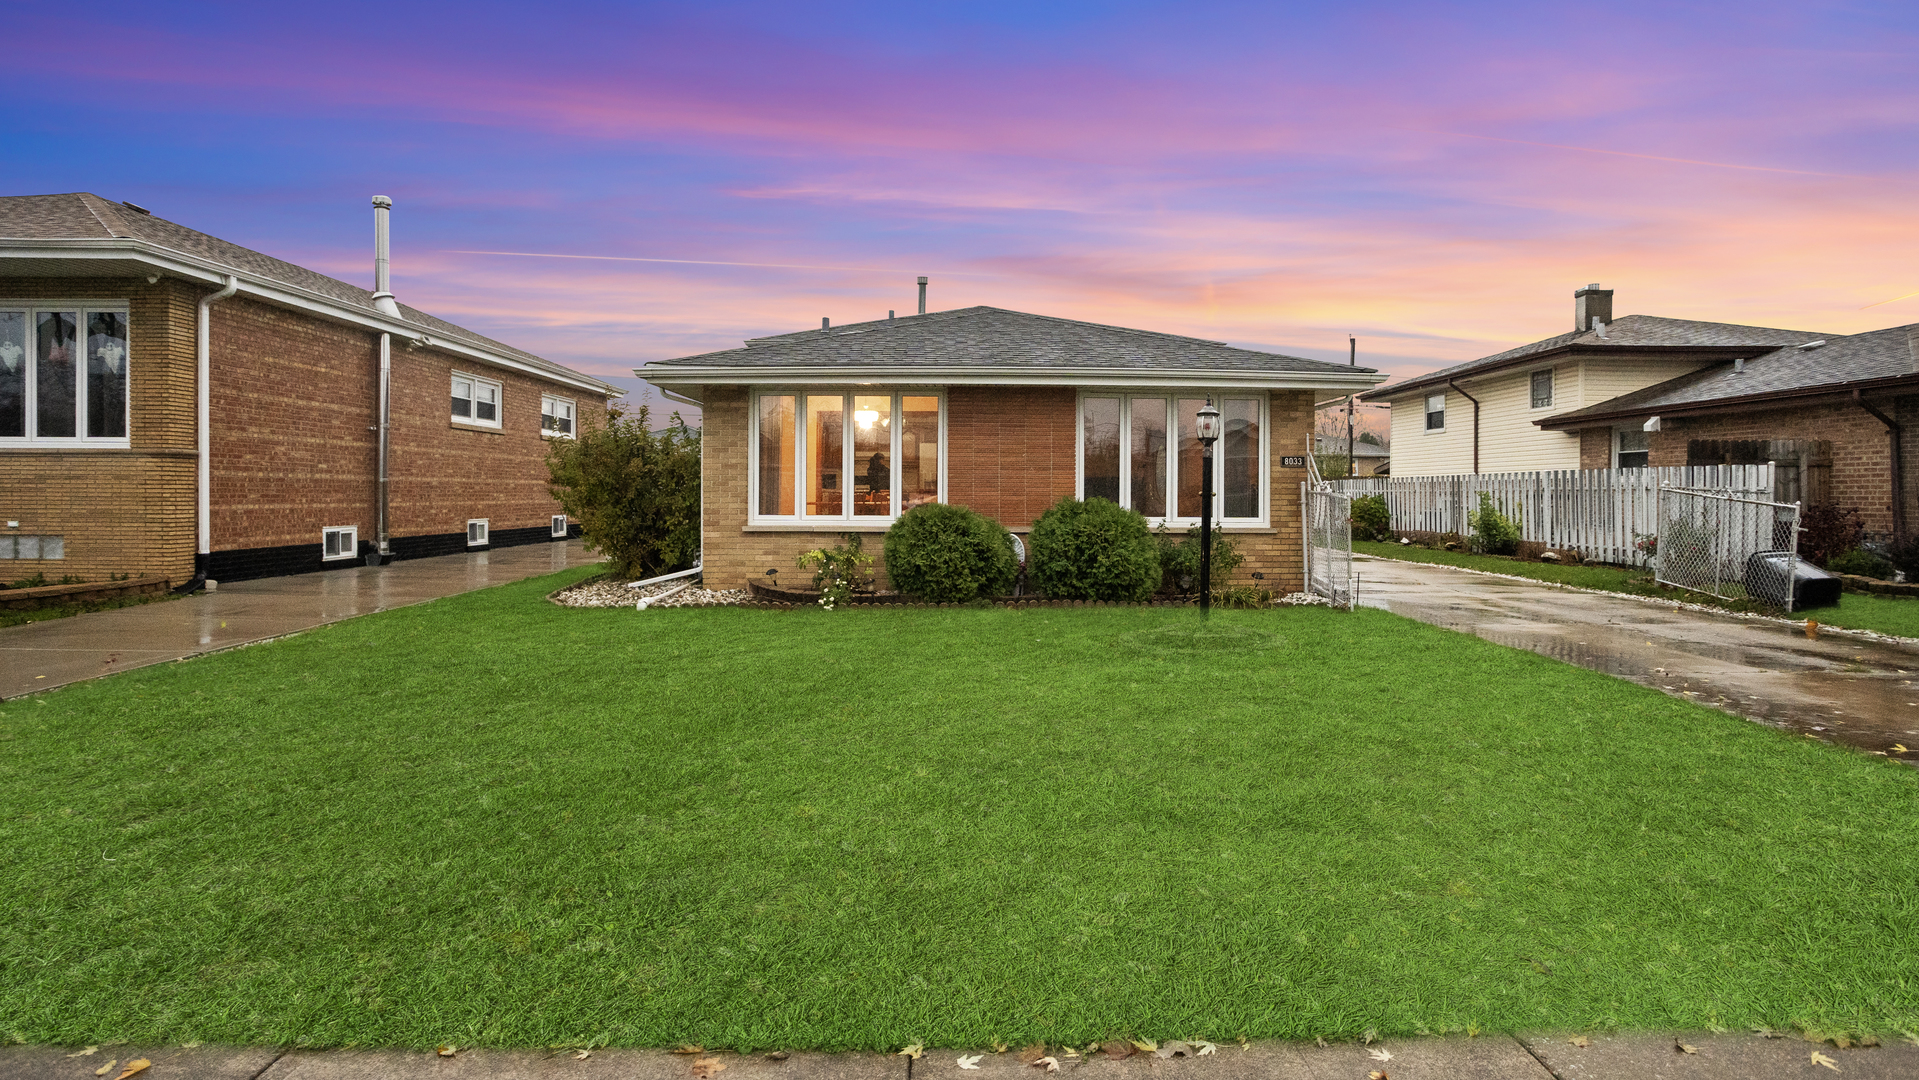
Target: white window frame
1532,393
80,440
499,407
547,401
560,526
485,531
1126,397
1617,450
1425,417
800,394
351,546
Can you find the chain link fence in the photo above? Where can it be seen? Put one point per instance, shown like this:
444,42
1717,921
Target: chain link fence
1329,545
1731,547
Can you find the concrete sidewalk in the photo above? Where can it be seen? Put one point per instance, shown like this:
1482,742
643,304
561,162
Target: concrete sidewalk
43,655
1833,686
1489,1057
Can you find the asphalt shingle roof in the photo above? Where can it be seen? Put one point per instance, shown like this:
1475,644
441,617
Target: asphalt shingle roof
85,216
995,337
1841,363
1632,333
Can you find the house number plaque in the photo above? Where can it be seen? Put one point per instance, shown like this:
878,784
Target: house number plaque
1293,461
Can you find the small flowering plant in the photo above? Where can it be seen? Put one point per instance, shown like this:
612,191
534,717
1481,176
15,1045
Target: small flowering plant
838,571
1646,544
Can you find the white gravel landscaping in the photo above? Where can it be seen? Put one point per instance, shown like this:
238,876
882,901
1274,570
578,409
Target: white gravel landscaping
605,592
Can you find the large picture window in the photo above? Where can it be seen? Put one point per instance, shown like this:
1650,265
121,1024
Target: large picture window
831,456
63,374
1143,452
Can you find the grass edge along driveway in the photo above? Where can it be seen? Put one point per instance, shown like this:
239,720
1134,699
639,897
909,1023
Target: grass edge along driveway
490,821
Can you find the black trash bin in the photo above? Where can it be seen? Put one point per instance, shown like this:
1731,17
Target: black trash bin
1811,586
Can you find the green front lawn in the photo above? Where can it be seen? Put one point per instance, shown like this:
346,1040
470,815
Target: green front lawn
490,821
1897,615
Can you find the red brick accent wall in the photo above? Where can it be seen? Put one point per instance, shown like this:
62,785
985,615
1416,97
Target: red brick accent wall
1009,462
1595,448
1011,450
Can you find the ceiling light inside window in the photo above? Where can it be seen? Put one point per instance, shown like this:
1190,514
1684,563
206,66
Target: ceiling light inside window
865,417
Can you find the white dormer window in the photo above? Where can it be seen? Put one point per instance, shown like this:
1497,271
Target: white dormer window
475,401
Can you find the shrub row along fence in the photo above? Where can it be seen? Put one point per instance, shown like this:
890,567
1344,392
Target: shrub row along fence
1603,514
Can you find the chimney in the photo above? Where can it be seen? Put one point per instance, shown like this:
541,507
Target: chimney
1591,304
922,295
382,291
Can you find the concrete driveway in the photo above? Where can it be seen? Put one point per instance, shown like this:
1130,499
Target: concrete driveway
1835,686
40,656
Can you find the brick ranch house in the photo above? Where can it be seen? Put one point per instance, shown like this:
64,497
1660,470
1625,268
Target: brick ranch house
841,429
1643,390
172,404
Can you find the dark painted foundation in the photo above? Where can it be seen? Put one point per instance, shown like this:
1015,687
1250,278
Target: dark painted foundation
246,564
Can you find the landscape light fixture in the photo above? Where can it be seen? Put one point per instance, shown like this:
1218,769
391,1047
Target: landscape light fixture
1206,427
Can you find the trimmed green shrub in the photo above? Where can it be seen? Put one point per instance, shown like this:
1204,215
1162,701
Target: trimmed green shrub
1371,519
1862,562
1179,559
1493,532
1092,550
950,554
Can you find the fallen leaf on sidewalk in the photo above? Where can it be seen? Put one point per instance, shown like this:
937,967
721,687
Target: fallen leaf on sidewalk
448,1050
970,1062
1580,1041
1174,1049
1767,1033
1900,748
1685,1049
1051,1063
1206,1048
1320,1039
1821,1059
708,1067
689,1048
1145,1046
582,1055
1909,1036
88,1052
1118,1048
139,1066
778,1055
1377,1074
914,1051
1381,1054
999,1048
1032,1053
107,1068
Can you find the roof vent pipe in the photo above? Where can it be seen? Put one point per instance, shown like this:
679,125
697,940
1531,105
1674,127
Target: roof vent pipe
922,294
382,255
1738,365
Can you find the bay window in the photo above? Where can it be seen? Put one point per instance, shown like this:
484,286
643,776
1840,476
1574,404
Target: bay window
63,374
835,456
1143,452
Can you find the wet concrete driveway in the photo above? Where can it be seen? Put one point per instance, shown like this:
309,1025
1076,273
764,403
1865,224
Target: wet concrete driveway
1837,687
43,655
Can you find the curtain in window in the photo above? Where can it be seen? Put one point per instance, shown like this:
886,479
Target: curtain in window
778,441
106,375
56,382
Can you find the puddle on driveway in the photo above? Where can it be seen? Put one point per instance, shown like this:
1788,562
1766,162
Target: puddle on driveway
1837,687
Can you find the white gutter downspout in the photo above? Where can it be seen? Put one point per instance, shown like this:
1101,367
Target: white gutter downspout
383,300
203,427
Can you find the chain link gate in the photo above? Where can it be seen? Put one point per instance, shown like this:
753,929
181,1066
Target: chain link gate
1328,518
1734,548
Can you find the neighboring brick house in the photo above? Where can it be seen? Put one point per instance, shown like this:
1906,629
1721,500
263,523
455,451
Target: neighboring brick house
173,404
839,430
1828,409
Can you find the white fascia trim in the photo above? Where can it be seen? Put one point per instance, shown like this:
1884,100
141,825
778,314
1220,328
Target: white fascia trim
975,375
175,265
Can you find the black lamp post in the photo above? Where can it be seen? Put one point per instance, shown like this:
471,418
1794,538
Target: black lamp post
1207,428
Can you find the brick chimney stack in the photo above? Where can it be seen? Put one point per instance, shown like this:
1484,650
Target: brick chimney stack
1591,304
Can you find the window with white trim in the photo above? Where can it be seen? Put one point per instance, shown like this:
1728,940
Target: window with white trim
63,374
1543,389
1143,452
475,532
1632,448
556,417
340,542
1435,412
836,456
559,525
475,400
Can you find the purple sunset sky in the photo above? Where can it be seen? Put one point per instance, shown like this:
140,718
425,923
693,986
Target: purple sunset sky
1435,178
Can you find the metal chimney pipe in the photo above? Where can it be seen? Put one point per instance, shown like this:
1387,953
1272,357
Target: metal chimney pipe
922,294
382,256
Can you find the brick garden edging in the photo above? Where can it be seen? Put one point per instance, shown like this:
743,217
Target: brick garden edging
42,596
1860,584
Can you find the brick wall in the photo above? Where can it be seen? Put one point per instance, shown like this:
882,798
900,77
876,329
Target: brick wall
119,511
1009,462
293,401
1595,448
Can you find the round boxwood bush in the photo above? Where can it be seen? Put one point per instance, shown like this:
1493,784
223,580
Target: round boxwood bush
949,554
1093,550
1371,519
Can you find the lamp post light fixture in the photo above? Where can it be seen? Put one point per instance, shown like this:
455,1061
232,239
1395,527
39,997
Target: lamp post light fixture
1206,427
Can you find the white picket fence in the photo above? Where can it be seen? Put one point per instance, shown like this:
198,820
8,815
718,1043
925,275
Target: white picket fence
1599,513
